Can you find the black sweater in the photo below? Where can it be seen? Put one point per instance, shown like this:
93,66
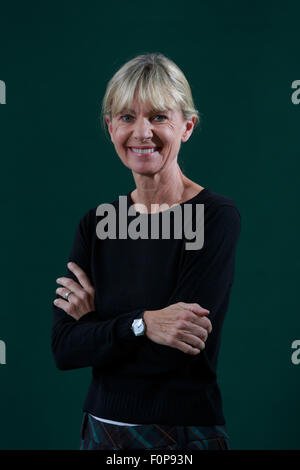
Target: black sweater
134,379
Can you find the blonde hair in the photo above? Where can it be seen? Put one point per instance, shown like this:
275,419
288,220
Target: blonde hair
156,79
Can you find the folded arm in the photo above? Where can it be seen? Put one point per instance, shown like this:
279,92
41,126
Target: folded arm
90,341
205,278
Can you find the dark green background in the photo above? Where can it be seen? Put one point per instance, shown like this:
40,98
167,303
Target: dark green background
240,58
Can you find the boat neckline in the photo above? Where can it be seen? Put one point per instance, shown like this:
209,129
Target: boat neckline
199,194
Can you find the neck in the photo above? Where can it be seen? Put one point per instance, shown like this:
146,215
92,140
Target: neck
169,187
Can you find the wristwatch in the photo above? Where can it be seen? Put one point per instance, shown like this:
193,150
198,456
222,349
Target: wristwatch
138,325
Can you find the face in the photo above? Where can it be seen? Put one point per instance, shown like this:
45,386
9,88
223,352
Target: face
135,130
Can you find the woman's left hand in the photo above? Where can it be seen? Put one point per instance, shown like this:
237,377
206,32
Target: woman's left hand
81,300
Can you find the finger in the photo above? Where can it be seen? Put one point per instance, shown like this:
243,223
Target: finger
63,304
202,322
184,347
192,340
67,307
194,323
206,323
196,329
81,276
200,332
196,308
70,284
62,291
209,329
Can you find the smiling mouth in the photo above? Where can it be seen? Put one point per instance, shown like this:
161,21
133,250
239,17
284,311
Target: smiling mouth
144,151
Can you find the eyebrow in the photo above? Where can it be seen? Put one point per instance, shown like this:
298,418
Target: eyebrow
128,110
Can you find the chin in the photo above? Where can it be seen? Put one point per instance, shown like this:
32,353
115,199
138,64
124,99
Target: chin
144,170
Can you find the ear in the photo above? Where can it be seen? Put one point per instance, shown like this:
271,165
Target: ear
188,129
109,126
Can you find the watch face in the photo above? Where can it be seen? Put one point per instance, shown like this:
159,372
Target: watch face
138,326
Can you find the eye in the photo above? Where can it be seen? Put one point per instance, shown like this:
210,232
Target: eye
124,116
161,116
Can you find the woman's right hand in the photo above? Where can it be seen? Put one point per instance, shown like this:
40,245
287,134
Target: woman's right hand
182,326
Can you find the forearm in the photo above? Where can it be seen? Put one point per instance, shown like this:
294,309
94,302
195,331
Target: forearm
91,342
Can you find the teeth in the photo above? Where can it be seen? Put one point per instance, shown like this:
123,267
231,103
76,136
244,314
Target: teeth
151,150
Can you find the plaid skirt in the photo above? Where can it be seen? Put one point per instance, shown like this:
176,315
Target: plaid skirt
98,435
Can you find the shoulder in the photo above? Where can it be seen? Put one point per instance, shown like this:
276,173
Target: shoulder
86,223
221,216
218,205
89,219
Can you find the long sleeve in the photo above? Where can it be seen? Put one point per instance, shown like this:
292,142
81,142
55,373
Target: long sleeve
207,274
90,341
134,379
206,278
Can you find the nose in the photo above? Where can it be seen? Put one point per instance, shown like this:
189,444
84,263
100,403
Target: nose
142,129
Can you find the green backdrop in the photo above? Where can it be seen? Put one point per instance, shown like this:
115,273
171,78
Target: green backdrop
240,58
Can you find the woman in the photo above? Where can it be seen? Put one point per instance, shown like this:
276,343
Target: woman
146,312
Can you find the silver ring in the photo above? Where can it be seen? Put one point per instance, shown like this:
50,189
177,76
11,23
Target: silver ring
66,296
